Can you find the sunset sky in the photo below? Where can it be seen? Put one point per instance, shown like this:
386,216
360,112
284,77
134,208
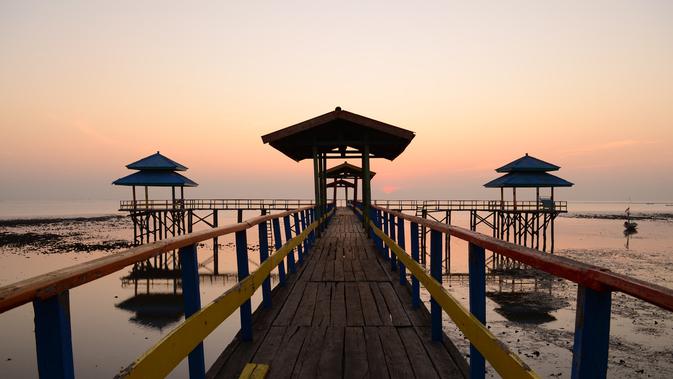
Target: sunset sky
87,87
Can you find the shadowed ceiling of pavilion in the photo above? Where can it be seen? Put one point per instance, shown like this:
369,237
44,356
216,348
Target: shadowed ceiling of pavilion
340,133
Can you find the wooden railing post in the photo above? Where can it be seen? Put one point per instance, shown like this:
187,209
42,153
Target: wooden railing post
263,256
436,273
385,223
415,286
378,217
277,244
192,302
477,268
592,333
303,227
243,272
53,340
391,229
297,231
401,241
288,236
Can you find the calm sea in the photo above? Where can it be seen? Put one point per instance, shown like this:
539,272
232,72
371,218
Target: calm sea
118,317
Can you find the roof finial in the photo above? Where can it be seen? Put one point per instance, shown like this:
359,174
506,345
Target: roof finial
337,109
526,154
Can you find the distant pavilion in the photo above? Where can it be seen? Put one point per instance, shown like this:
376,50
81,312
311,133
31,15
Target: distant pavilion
528,172
346,171
156,170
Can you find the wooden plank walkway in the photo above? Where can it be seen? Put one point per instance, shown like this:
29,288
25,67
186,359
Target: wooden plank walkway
343,315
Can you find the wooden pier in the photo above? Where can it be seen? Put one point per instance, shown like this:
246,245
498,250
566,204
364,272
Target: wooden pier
343,315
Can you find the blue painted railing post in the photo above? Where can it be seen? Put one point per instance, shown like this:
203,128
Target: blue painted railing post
277,244
477,268
436,273
288,236
243,272
385,223
592,333
263,256
300,247
53,340
415,286
403,244
391,230
307,241
379,224
192,302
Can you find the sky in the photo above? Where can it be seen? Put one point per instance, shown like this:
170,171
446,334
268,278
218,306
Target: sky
87,87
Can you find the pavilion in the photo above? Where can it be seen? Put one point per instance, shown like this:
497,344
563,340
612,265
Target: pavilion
156,170
346,171
337,135
528,172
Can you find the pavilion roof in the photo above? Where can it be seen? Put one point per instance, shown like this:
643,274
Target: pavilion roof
528,163
156,162
340,132
155,178
346,170
528,179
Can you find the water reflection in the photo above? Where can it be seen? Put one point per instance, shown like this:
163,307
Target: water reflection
524,296
157,292
627,234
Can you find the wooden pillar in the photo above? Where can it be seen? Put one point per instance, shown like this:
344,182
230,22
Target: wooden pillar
334,191
216,247
355,191
147,195
134,197
366,185
316,176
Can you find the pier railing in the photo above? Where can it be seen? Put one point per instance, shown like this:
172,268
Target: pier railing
475,205
595,286
49,293
207,204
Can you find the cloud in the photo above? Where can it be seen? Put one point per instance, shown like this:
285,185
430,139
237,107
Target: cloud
388,188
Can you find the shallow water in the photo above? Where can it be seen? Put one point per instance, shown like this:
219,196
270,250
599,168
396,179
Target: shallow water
115,318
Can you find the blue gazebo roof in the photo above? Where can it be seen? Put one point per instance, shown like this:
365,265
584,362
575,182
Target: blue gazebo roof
528,179
156,162
155,178
528,163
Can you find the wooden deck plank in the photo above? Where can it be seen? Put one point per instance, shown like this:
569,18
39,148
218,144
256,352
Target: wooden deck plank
397,313
307,367
396,357
418,357
321,316
290,307
338,306
375,356
355,358
304,314
370,313
354,315
330,364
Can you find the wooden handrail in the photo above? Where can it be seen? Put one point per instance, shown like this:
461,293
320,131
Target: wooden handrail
55,282
594,277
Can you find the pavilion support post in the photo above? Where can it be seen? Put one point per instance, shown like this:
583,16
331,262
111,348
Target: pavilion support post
514,197
323,182
134,197
316,182
216,247
147,196
366,186
355,191
335,192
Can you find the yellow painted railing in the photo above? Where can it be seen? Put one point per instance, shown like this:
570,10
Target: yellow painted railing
503,360
163,357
